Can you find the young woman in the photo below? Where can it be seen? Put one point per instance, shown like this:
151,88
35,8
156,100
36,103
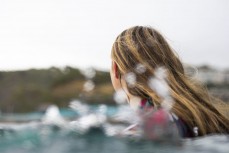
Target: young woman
144,47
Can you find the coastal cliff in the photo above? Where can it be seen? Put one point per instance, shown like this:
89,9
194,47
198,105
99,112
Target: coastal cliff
35,89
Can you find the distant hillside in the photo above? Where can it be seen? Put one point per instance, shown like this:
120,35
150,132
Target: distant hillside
23,91
35,89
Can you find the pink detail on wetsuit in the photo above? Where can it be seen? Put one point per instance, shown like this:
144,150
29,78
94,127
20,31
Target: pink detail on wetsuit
143,103
155,122
162,118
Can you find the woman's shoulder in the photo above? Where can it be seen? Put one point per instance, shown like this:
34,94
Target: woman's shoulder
157,123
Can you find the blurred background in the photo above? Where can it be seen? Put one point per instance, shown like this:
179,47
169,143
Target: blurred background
56,51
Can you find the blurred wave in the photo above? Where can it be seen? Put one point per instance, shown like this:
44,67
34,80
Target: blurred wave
91,128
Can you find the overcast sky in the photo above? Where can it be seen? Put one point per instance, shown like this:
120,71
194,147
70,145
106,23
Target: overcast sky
80,33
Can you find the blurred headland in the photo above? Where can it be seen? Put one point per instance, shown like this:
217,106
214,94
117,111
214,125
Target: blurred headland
35,89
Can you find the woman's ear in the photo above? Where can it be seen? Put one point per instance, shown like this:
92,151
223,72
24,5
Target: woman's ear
116,71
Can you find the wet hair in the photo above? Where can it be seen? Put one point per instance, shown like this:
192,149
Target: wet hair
147,47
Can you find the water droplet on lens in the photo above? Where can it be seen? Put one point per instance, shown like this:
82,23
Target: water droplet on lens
120,97
159,86
140,69
190,71
130,79
160,73
102,109
89,73
88,86
195,130
79,107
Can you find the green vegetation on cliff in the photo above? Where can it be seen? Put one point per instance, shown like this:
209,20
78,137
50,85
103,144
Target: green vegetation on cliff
23,91
35,89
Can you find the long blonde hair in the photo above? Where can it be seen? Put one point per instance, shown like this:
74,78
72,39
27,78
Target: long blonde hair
193,104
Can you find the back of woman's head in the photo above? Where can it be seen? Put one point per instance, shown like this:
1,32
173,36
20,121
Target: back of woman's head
141,51
146,46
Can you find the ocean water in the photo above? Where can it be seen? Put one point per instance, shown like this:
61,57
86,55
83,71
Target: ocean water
91,129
